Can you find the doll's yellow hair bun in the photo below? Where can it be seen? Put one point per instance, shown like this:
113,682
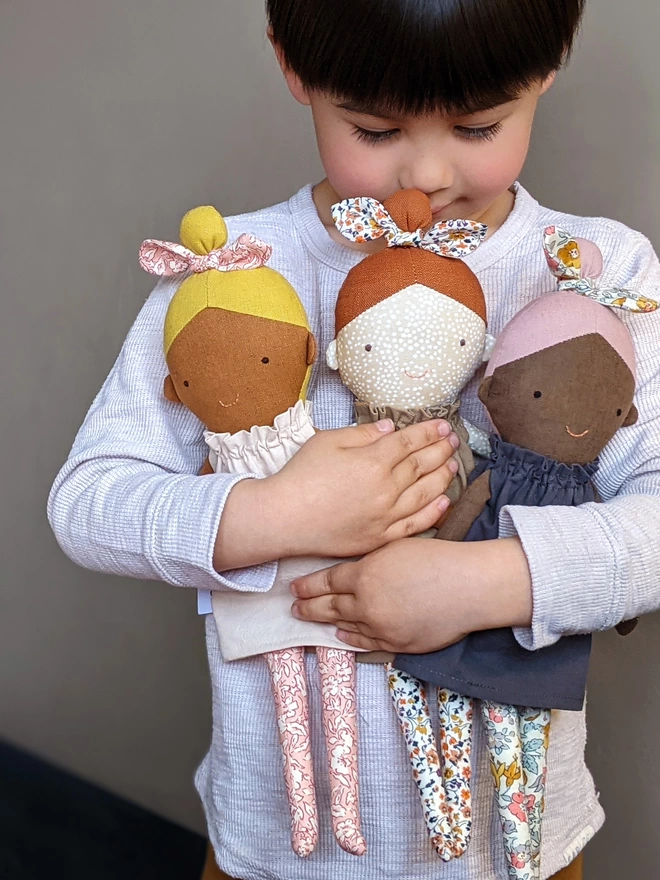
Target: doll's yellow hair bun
203,230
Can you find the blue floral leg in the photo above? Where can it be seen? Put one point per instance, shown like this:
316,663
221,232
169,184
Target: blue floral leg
412,710
503,730
455,732
535,736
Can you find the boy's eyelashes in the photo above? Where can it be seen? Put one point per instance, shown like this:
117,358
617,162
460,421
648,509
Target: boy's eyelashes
467,132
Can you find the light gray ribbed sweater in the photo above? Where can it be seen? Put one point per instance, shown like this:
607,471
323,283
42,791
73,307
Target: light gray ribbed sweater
128,501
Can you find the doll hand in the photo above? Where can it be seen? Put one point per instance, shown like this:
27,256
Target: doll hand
350,491
420,595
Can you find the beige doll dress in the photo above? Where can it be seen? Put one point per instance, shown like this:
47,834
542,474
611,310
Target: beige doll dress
252,623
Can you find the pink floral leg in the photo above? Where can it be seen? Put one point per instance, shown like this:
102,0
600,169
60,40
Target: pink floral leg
338,689
412,709
455,713
535,737
289,682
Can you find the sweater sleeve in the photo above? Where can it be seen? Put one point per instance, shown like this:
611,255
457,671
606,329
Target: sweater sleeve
128,501
596,565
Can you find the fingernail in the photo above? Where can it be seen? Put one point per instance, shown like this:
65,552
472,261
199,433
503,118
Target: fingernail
455,442
293,586
444,429
443,504
294,610
453,466
385,425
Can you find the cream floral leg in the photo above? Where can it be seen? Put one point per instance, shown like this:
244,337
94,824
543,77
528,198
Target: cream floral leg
503,727
455,732
412,709
338,690
289,682
535,737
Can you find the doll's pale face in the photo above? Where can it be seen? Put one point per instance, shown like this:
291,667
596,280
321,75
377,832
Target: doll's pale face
416,348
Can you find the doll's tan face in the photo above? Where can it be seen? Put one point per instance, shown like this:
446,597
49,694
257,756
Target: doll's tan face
416,348
234,371
565,402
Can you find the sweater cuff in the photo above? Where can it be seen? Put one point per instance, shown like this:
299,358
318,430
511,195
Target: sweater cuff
574,569
183,533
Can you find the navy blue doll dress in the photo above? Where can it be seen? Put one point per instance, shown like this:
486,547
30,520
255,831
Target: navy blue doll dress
491,665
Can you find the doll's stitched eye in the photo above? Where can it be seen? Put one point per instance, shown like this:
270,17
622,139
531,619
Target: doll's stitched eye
265,360
462,342
537,394
368,347
187,384
619,412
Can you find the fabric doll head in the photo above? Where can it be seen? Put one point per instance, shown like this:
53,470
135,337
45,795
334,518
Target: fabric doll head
561,378
237,341
410,319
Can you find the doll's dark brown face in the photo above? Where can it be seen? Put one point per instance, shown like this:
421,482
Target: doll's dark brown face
566,401
234,371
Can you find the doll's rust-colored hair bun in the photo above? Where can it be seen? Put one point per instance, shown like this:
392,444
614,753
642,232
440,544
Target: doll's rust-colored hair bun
410,209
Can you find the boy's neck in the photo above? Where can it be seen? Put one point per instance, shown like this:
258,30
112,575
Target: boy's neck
325,197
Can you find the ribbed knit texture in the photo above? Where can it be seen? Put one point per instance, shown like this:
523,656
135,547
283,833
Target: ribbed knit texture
128,501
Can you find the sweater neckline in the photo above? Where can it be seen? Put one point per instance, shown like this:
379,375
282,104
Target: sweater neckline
315,236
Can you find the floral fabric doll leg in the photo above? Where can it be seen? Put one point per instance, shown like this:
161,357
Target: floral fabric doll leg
412,709
503,728
455,713
289,683
535,736
338,690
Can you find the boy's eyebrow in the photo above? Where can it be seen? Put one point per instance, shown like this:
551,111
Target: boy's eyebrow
384,112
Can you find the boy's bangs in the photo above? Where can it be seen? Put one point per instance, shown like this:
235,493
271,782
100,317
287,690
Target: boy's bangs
402,57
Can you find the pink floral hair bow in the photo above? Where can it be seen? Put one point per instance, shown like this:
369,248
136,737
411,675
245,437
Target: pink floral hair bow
168,258
565,259
366,219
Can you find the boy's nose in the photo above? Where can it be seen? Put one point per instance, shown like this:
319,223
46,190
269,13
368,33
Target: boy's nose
432,175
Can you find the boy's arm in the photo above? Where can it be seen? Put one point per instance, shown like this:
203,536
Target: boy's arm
128,501
597,565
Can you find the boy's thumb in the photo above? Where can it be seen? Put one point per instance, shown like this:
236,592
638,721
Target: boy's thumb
363,435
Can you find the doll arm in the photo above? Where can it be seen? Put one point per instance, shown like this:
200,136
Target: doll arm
128,501
597,565
467,509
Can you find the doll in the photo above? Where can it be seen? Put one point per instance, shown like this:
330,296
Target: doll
240,352
559,385
410,333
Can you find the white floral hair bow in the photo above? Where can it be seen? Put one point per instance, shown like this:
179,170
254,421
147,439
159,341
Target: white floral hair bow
366,219
562,252
168,258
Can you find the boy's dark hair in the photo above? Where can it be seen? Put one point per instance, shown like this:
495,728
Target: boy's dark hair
412,56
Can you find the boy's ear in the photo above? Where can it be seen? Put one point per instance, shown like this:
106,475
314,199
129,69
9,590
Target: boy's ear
311,349
631,418
484,388
548,82
170,391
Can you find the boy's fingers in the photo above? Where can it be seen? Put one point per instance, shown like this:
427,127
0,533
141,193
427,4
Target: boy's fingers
425,461
324,582
425,491
363,435
325,609
419,522
401,444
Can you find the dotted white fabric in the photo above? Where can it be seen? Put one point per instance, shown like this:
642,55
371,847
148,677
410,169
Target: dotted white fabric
128,501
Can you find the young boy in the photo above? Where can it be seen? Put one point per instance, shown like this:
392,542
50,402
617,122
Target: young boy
438,95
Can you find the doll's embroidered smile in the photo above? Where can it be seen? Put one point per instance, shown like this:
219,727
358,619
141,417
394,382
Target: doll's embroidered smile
577,436
421,375
227,405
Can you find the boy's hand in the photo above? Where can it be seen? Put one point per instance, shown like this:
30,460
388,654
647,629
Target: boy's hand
345,493
420,595
350,491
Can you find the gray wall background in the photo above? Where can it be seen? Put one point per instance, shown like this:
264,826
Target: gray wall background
115,118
